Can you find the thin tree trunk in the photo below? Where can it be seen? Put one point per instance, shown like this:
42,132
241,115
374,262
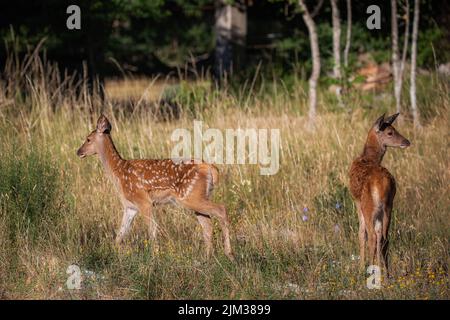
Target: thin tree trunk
405,41
315,53
412,91
349,32
336,22
395,56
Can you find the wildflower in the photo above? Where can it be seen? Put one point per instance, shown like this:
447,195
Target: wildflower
305,209
338,206
305,218
337,229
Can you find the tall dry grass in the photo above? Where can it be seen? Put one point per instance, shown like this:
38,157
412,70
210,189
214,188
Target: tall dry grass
294,233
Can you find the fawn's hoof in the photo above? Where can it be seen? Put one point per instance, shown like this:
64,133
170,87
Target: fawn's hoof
230,256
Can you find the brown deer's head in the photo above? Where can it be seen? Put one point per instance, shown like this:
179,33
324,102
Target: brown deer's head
386,134
95,138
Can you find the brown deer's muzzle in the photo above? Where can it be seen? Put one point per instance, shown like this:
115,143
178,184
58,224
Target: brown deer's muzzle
405,143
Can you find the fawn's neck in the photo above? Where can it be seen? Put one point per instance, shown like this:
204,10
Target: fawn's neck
373,150
109,156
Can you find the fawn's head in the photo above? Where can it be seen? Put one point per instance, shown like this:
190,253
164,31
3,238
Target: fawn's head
95,138
385,133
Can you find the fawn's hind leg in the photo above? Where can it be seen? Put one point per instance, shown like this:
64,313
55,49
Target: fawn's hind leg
149,218
218,211
207,228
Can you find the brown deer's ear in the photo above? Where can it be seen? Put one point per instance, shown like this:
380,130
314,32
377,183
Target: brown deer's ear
390,120
103,125
378,125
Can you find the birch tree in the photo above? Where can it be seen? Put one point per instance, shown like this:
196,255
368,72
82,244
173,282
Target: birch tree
395,54
349,32
398,65
405,39
412,90
336,22
315,53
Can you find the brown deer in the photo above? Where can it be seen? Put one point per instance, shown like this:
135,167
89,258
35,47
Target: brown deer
373,189
141,184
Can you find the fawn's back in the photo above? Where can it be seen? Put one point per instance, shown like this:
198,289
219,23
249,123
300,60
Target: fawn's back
165,178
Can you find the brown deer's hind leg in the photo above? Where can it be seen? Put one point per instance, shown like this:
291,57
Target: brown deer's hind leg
385,245
361,236
379,239
371,241
207,228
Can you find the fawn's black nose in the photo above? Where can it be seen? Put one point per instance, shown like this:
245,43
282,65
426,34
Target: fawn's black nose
80,153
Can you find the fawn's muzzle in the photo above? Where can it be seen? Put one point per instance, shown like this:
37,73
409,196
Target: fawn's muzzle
80,153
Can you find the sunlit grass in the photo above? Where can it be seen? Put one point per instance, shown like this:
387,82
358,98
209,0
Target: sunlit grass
294,233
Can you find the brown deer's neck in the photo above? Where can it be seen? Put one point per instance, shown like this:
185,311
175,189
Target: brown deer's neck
373,150
109,156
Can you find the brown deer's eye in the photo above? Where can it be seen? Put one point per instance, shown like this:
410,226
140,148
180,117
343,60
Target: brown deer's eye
390,133
88,140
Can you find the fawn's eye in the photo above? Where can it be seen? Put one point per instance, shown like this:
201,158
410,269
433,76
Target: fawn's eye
88,140
390,133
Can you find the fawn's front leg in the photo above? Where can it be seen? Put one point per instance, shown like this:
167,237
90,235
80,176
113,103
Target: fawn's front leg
127,219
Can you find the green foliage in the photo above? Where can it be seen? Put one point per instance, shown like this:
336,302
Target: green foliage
142,36
30,192
192,98
432,48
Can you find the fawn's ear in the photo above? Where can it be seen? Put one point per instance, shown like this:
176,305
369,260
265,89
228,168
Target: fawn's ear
103,125
378,125
390,120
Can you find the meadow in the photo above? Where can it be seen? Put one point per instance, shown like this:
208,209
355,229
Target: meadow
294,234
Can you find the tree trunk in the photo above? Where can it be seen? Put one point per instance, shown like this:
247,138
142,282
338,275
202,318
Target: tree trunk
231,32
398,66
315,53
405,41
349,32
336,22
395,56
412,91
